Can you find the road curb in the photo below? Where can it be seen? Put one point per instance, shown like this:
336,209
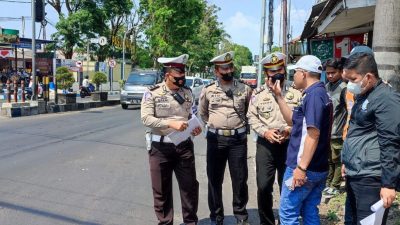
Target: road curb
41,107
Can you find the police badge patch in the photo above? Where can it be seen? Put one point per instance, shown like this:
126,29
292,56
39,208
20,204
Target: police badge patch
147,96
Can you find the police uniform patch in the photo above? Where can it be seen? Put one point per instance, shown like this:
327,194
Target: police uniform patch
147,96
274,59
228,57
163,105
253,99
289,95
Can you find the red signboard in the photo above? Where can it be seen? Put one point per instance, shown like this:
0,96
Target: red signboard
344,44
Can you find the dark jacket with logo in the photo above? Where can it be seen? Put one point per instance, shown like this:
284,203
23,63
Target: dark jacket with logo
372,146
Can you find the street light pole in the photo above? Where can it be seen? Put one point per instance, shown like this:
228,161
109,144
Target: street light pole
123,56
262,33
33,50
88,56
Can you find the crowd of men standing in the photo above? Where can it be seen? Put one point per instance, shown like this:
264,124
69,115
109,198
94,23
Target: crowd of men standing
305,131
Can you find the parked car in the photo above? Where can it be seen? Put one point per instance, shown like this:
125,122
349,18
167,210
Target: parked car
207,81
136,85
196,84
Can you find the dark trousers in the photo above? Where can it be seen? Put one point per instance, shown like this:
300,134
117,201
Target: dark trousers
166,158
269,159
335,175
221,149
363,192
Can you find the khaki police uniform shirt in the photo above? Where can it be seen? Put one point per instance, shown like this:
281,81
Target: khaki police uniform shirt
216,108
264,113
158,106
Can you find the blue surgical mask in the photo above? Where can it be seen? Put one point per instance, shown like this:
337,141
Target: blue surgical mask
354,88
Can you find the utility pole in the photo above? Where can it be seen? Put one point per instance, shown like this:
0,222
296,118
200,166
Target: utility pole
123,55
23,50
33,50
271,25
284,30
262,33
88,56
386,45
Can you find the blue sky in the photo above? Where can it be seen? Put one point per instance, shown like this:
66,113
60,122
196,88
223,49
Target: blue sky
241,18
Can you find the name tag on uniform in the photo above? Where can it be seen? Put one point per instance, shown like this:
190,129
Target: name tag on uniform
163,105
215,99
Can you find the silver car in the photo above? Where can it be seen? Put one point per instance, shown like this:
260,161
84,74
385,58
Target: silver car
136,85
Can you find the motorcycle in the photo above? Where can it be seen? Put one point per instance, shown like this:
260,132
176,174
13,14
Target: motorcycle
85,91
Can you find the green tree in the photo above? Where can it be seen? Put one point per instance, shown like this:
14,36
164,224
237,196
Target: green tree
201,47
169,24
276,49
99,78
243,55
84,20
64,78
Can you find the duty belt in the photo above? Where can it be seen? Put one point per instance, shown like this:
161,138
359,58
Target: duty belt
160,138
227,133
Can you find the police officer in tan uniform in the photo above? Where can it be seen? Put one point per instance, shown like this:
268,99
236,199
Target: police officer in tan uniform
273,132
165,108
223,107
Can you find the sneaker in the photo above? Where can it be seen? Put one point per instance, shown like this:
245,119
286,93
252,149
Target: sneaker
333,191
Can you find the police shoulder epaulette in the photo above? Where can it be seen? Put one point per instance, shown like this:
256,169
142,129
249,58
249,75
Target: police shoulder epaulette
241,81
210,84
259,90
188,88
154,87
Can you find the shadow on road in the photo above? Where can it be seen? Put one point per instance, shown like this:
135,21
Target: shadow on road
92,112
133,108
39,212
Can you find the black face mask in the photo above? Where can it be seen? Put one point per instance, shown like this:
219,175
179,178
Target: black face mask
177,79
278,76
227,76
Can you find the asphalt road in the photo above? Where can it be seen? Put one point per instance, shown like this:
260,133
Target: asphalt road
90,167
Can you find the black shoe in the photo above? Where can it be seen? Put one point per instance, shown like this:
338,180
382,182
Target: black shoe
242,222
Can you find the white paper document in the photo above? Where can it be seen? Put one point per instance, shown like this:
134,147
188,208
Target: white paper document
178,136
376,217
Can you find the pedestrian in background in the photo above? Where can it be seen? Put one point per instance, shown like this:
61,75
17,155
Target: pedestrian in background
273,133
336,89
371,156
165,108
223,108
307,156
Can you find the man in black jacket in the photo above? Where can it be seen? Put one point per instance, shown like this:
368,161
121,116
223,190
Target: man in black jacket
371,151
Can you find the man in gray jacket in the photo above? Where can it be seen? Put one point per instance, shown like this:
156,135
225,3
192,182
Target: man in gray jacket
371,151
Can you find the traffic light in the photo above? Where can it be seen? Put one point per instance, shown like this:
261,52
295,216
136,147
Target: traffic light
39,10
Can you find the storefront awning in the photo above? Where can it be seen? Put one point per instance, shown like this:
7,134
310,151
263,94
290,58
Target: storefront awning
346,15
308,30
